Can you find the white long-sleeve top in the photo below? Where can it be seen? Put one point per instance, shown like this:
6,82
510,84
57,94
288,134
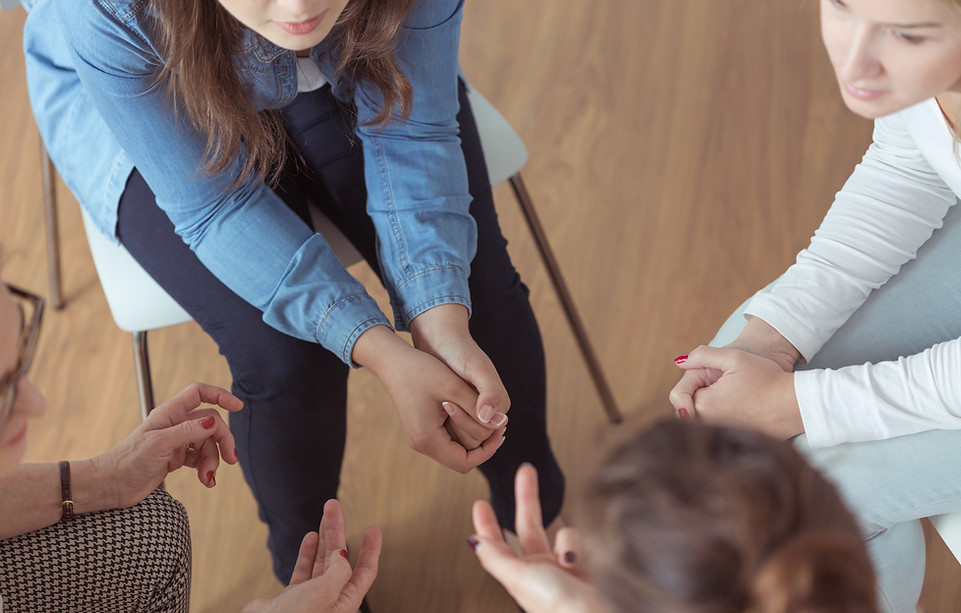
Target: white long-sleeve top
892,203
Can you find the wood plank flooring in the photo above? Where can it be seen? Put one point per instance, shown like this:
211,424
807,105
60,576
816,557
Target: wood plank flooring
681,153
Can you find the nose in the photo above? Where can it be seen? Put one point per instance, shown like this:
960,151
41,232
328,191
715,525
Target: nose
858,59
298,8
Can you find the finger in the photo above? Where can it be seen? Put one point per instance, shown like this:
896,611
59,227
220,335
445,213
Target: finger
206,463
305,558
200,432
569,550
493,402
485,522
334,531
476,457
366,570
466,427
192,397
528,519
717,358
219,433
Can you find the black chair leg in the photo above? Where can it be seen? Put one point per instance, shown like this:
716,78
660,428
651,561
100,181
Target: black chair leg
567,302
53,230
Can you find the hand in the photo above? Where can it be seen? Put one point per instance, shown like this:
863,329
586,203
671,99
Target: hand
419,385
323,581
541,580
759,338
443,332
159,444
744,390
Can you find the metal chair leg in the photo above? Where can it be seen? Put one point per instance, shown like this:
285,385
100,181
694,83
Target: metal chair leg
141,362
567,302
53,230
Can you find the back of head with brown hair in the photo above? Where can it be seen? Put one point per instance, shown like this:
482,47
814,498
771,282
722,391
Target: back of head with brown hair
690,518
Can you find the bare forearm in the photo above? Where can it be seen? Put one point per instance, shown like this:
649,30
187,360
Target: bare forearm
30,496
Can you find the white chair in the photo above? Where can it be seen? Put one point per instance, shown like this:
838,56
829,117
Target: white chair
949,528
138,304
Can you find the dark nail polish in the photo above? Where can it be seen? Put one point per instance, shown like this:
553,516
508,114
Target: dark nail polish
680,359
210,478
683,414
208,422
343,552
474,544
570,558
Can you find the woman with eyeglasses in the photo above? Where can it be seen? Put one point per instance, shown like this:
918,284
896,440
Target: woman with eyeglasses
97,534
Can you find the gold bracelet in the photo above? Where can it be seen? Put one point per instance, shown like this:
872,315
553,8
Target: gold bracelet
66,507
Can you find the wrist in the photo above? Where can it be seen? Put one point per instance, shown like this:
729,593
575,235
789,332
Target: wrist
94,486
761,338
376,347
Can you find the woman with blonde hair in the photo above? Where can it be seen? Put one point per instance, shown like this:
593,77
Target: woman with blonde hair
855,350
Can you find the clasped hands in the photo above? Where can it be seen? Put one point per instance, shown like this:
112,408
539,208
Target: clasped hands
748,383
450,399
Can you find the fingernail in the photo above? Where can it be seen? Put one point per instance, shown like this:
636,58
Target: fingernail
210,478
343,552
474,544
680,359
570,558
485,413
683,414
501,442
448,407
499,419
236,456
208,422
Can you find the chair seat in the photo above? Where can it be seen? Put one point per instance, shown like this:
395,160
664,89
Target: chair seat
136,301
949,527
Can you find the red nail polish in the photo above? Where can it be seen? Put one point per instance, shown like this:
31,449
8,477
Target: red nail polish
680,359
570,558
683,414
343,552
208,422
236,456
210,478
474,544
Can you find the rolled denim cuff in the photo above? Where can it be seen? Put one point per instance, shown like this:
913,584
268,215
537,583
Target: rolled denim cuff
425,290
345,321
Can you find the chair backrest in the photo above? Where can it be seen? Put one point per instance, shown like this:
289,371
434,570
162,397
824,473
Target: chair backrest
138,303
504,151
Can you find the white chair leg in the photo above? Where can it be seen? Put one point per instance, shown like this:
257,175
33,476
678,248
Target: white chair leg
567,302
141,362
53,231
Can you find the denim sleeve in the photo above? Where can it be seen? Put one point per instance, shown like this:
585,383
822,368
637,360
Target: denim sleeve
416,177
244,234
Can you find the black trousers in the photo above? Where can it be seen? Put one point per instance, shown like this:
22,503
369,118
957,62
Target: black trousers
291,432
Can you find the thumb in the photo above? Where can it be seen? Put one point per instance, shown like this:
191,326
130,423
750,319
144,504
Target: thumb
706,357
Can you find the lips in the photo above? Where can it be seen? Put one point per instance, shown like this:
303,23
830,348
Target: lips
862,94
299,28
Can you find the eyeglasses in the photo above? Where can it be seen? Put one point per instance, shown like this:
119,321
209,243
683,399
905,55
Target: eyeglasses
31,310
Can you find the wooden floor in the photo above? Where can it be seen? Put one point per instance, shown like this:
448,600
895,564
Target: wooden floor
681,153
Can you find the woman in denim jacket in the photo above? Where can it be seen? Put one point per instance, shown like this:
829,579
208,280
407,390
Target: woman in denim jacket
195,132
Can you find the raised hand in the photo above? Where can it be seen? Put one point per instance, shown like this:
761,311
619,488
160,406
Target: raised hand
323,580
159,445
541,579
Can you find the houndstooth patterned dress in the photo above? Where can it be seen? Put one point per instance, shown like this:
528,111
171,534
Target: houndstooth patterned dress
135,559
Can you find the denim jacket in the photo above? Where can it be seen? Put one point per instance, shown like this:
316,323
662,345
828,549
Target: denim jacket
91,65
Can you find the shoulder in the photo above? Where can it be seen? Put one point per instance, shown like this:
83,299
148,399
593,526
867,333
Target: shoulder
431,13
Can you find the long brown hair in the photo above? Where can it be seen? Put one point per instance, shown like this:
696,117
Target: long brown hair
198,41
690,518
